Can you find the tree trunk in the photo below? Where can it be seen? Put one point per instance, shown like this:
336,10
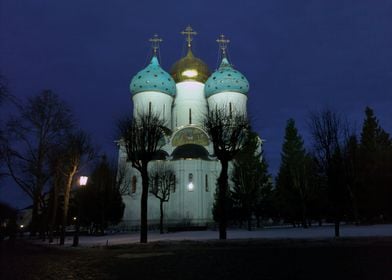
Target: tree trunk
143,205
337,228
249,223
44,223
304,221
223,187
161,217
54,211
34,215
67,192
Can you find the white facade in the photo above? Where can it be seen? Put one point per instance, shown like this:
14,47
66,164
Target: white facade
185,206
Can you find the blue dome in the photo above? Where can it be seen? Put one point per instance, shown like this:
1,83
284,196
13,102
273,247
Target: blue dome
153,78
226,78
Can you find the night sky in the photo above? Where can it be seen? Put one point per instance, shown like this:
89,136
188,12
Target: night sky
299,56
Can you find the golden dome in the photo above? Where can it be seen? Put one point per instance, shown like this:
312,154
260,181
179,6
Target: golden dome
190,68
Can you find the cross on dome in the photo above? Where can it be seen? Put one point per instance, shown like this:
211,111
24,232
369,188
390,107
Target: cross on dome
155,40
223,42
189,32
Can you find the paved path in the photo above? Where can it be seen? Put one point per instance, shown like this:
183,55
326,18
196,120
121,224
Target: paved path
268,233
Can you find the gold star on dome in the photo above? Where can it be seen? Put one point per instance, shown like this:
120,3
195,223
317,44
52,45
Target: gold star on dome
223,42
155,40
189,32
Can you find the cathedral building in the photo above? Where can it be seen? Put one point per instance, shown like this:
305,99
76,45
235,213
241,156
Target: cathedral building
183,98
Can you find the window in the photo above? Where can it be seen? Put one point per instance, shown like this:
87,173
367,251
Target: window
164,109
190,116
149,108
133,184
190,182
174,184
156,182
230,110
207,189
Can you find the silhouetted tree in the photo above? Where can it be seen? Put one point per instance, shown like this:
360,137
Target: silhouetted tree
265,204
78,149
293,184
328,132
3,88
3,93
351,170
228,132
142,138
162,182
30,138
100,201
57,185
250,178
317,195
375,156
231,212
8,225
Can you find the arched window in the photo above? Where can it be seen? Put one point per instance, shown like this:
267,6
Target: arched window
149,108
190,116
190,182
207,189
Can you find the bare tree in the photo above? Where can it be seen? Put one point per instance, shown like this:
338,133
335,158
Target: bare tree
122,180
142,137
29,139
3,88
56,165
3,93
78,150
228,132
162,182
327,129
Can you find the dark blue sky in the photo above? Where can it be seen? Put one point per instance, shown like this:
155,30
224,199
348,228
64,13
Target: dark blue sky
298,56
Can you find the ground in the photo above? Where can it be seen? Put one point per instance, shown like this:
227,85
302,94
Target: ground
267,258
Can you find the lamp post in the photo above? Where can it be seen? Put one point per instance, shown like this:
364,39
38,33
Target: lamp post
82,182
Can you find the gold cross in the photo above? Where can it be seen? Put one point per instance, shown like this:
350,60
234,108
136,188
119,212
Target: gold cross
155,40
223,42
189,32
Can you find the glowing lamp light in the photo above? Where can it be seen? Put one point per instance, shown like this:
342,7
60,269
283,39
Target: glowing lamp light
74,218
190,73
83,180
21,226
190,187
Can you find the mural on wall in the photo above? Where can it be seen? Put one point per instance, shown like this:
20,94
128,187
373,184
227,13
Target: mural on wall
190,135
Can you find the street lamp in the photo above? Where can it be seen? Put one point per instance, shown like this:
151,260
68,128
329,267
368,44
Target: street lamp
82,182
